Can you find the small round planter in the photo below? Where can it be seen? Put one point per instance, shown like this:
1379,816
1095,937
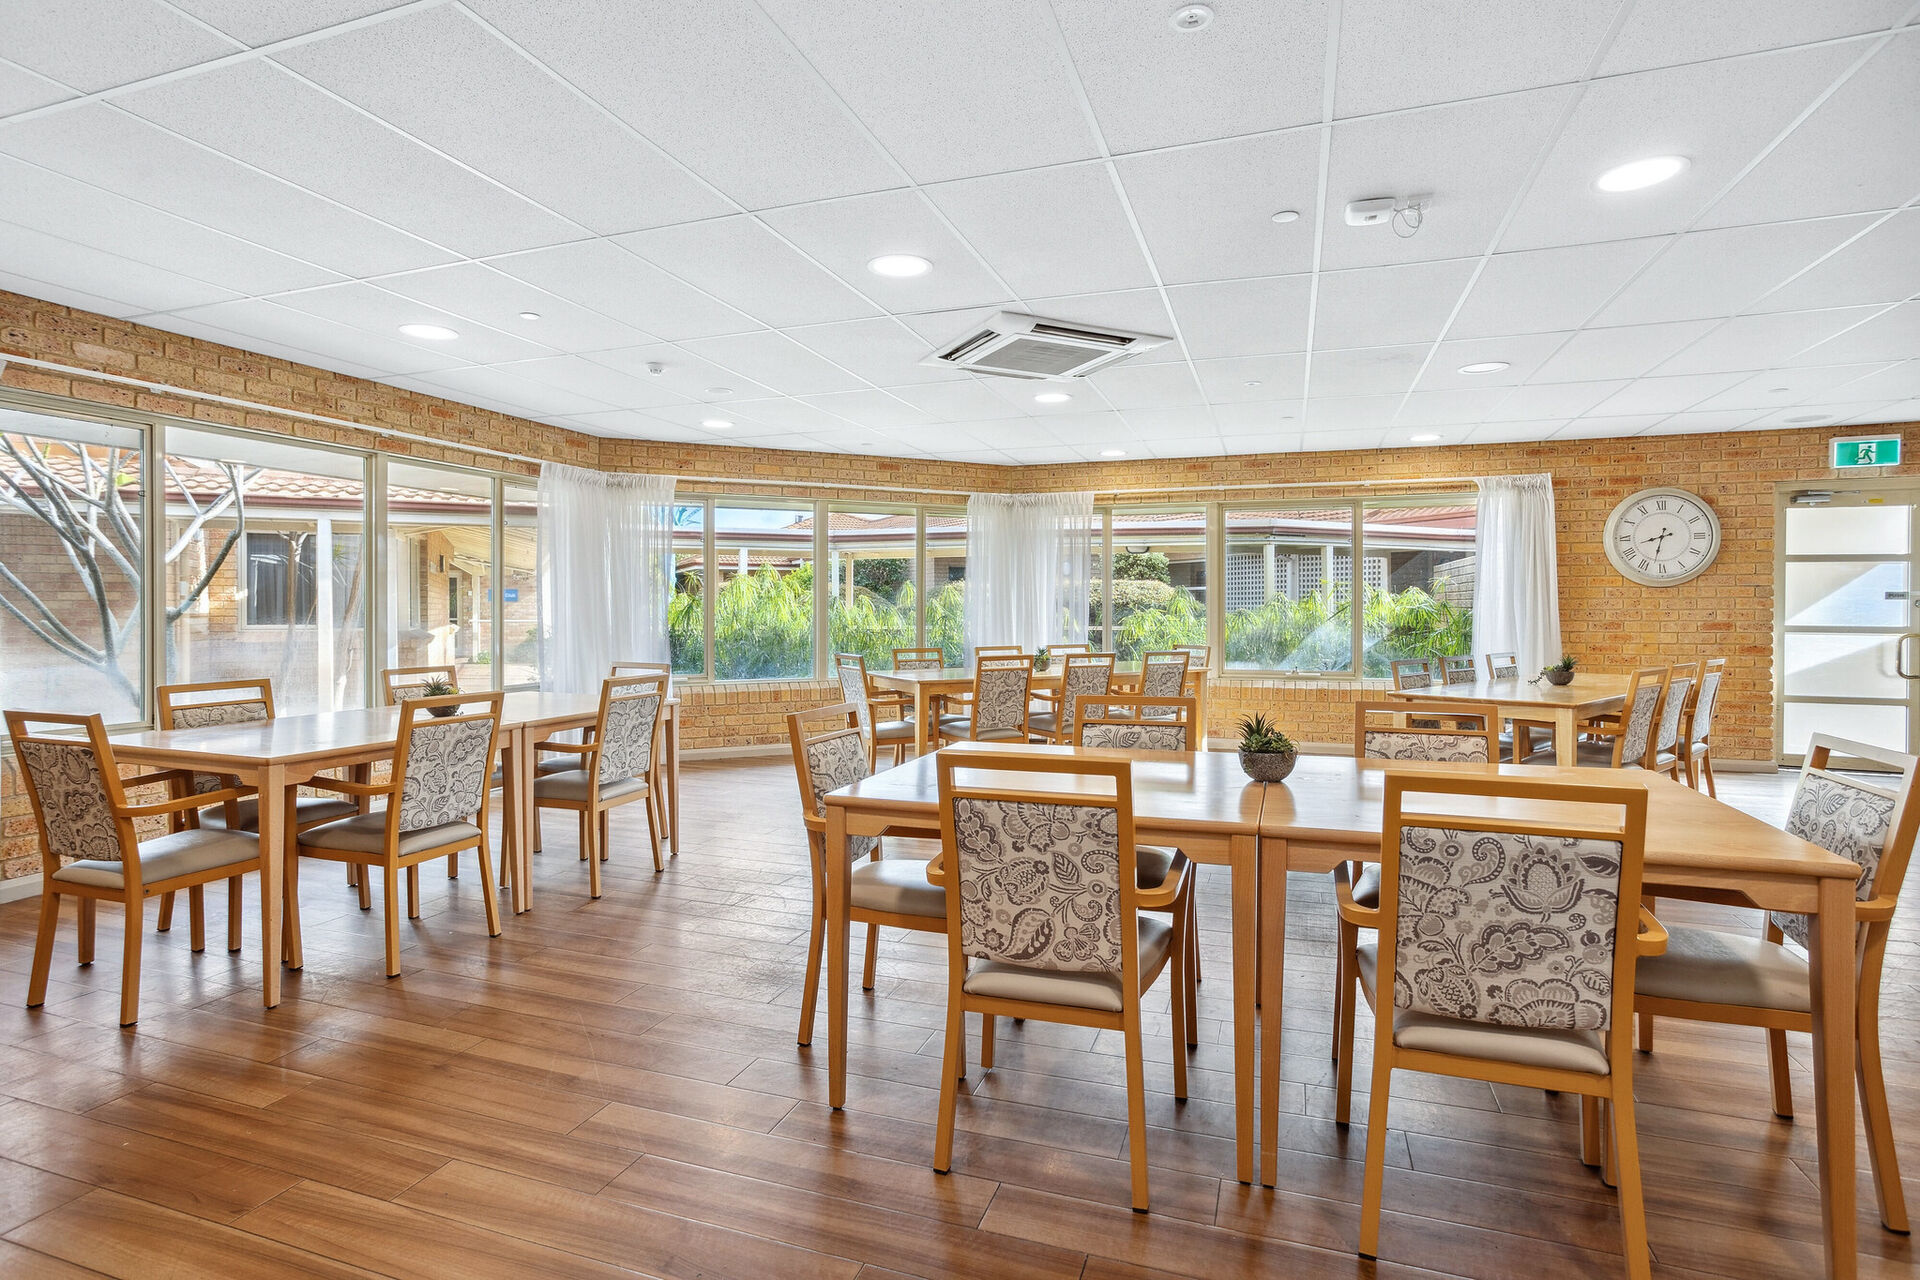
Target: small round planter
1557,677
1268,766
443,712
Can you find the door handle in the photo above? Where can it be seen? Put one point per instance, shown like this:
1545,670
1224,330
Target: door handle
1900,656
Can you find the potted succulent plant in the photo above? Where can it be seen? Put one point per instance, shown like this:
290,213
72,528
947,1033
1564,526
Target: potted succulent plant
1560,672
438,688
1042,659
1266,754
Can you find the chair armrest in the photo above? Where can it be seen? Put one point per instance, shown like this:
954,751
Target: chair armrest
199,800
937,870
1167,892
1652,938
159,775
574,748
1874,910
1350,911
347,787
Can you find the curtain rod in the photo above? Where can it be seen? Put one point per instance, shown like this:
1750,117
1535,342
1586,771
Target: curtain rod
163,388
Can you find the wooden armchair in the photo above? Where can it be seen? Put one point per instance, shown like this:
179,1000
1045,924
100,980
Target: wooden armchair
1082,674
998,711
610,769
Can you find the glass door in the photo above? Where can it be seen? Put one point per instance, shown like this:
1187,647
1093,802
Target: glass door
1848,637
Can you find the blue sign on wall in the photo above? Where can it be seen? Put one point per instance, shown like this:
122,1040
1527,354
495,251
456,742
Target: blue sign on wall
512,594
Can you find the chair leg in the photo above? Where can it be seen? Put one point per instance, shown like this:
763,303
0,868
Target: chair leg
1633,1211
1645,1020
653,838
354,881
1706,771
987,1022
953,1067
363,881
873,956
1879,1122
390,914
1376,1174
1590,1153
487,895
413,892
1177,988
292,949
166,913
1136,1104
810,993
43,949
591,854
1346,993
536,830
1609,1149
133,939
453,866
233,913
584,824
603,836
1346,938
1778,1075
1190,975
196,919
87,908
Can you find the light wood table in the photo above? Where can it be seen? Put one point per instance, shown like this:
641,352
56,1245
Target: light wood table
1199,802
1329,811
928,685
1562,706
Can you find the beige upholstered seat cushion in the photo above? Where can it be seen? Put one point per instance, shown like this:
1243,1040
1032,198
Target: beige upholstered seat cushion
367,833
893,731
574,785
1725,968
1151,864
957,727
1080,990
1043,721
1366,885
182,853
306,809
1523,1046
898,886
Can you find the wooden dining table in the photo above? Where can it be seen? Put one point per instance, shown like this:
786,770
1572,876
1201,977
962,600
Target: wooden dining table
929,685
1563,706
278,755
1329,811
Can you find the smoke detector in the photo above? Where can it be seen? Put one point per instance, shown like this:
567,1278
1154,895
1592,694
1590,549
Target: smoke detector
1011,345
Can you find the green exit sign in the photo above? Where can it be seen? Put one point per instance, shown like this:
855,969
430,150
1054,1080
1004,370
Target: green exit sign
1866,451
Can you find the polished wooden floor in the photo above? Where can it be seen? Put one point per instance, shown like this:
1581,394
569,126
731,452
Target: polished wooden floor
613,1088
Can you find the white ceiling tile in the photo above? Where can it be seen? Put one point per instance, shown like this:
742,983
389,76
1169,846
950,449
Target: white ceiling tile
1230,233
252,321
1523,355
1169,422
1544,290
970,86
588,378
1601,428
1721,272
1265,442
1243,317
1010,434
259,114
1256,417
1894,334
1892,382
880,350
682,374
715,84
744,265
443,78
776,361
699,414
482,293
872,409
117,152
1083,396
1448,408
1779,387
628,424
60,206
1148,386
1619,353
258,22
1255,67
845,235
527,397
1762,341
1718,114
371,310
1692,423
1660,33
1135,310
1553,401
1899,411
1511,432
1252,378
1343,413
1860,150
1441,152
1097,429
1365,371
1881,266
1344,440
1796,416
1666,395
1048,231
600,275
786,413
1387,305
66,296
102,274
22,90
1395,55
963,401
97,44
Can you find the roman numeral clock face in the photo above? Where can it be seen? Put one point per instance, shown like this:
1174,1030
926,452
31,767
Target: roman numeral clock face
1659,537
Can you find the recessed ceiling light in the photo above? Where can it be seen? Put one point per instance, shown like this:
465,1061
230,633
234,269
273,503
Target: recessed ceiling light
1052,397
1636,174
900,266
1485,366
1113,453
1809,417
431,332
1425,437
1287,215
719,391
1190,17
1254,383
717,424
1778,391
529,315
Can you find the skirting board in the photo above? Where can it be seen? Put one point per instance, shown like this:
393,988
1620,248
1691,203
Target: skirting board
20,887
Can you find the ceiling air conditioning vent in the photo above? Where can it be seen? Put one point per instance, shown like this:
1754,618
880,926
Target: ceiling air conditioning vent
1010,345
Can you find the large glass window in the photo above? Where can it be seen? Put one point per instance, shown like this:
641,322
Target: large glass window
763,614
687,608
1288,588
72,634
519,585
265,572
440,571
1159,581
945,579
1417,571
871,588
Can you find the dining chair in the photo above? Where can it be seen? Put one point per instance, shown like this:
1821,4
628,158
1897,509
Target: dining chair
895,731
1699,744
1199,655
657,796
1412,673
924,659
1516,738
1163,673
893,892
1083,674
1508,946
1628,746
1458,668
1757,981
1668,751
397,684
1043,925
612,770
81,812
1067,647
1503,666
212,704
998,712
996,650
435,805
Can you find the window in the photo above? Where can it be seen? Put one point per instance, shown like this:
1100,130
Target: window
763,605
440,571
72,627
871,596
1418,576
687,608
520,586
946,579
283,585
1159,583
1289,588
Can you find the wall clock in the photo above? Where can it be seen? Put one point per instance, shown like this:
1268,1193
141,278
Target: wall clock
1660,537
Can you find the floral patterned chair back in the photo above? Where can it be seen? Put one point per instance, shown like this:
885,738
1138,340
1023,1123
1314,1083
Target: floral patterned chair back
1680,682
1505,927
662,669
398,684
1164,675
1000,694
1861,821
826,762
443,761
1466,737
1637,716
918,660
1412,673
1503,666
629,716
1139,723
185,706
1700,727
74,786
1086,673
1040,883
851,668
1458,669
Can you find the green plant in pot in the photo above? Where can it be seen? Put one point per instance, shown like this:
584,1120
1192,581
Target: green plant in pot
438,688
1560,672
1042,659
1266,754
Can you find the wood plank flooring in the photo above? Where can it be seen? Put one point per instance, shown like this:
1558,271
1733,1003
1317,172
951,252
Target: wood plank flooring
612,1088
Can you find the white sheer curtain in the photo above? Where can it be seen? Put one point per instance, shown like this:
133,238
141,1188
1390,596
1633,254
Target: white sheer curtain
1516,585
606,568
1029,558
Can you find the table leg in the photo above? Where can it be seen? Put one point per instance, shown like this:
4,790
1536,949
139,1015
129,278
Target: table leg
838,904
1566,746
1831,953
919,720
673,779
272,783
1273,957
510,840
523,775
1245,863
291,952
